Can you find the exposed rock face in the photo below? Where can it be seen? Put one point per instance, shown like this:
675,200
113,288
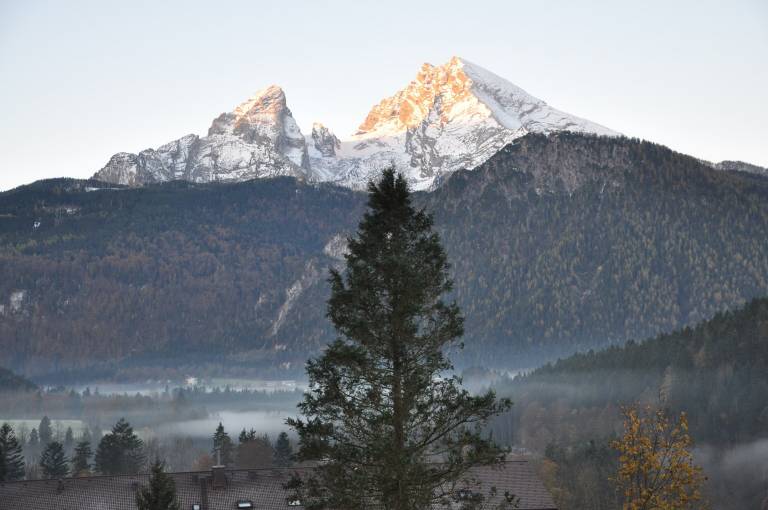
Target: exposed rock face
259,138
336,248
449,117
17,300
324,141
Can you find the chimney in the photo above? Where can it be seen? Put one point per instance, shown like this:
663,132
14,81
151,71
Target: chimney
219,477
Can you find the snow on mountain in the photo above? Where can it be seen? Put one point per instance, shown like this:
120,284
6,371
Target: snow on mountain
449,117
259,138
740,166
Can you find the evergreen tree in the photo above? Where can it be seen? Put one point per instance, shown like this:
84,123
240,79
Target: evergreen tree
223,444
69,439
86,435
247,435
120,452
254,451
53,461
81,461
44,431
283,451
11,455
161,492
381,410
34,439
95,434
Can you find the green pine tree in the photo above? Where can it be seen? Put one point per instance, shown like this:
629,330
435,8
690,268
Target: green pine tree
34,439
53,461
69,439
160,494
11,455
81,461
120,452
393,428
254,451
222,445
44,431
283,451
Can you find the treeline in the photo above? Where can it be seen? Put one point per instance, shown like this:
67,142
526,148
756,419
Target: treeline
145,410
716,372
45,453
10,381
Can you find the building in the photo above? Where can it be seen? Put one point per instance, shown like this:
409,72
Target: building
260,489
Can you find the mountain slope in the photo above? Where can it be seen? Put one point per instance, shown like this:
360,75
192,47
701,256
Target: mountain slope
558,243
572,240
12,382
452,116
740,166
715,372
174,275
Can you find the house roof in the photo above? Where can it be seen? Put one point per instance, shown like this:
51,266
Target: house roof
263,487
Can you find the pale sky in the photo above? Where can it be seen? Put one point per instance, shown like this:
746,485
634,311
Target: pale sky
81,80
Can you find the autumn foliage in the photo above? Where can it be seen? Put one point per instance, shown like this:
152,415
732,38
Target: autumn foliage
656,468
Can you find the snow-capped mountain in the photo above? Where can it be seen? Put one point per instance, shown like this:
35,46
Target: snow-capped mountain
450,117
259,138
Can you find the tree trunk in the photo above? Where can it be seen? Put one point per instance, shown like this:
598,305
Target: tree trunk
399,425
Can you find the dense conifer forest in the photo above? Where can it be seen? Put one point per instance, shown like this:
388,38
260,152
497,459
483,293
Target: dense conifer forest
12,382
557,243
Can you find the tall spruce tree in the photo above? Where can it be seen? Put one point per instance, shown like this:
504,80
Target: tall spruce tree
45,431
69,440
395,430
81,460
223,448
254,450
120,452
53,461
11,455
34,440
283,451
160,494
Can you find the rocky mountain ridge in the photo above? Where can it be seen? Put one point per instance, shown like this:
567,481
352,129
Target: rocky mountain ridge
450,117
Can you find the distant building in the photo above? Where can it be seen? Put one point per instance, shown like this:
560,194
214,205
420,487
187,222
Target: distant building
260,489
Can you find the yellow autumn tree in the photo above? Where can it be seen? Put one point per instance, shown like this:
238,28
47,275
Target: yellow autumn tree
656,468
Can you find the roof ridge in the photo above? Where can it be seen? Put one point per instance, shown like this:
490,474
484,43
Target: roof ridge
204,471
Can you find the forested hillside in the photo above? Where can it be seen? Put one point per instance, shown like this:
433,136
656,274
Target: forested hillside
716,372
557,243
178,276
12,382
562,242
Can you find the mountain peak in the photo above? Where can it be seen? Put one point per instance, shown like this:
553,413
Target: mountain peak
265,118
410,106
267,100
462,91
450,116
